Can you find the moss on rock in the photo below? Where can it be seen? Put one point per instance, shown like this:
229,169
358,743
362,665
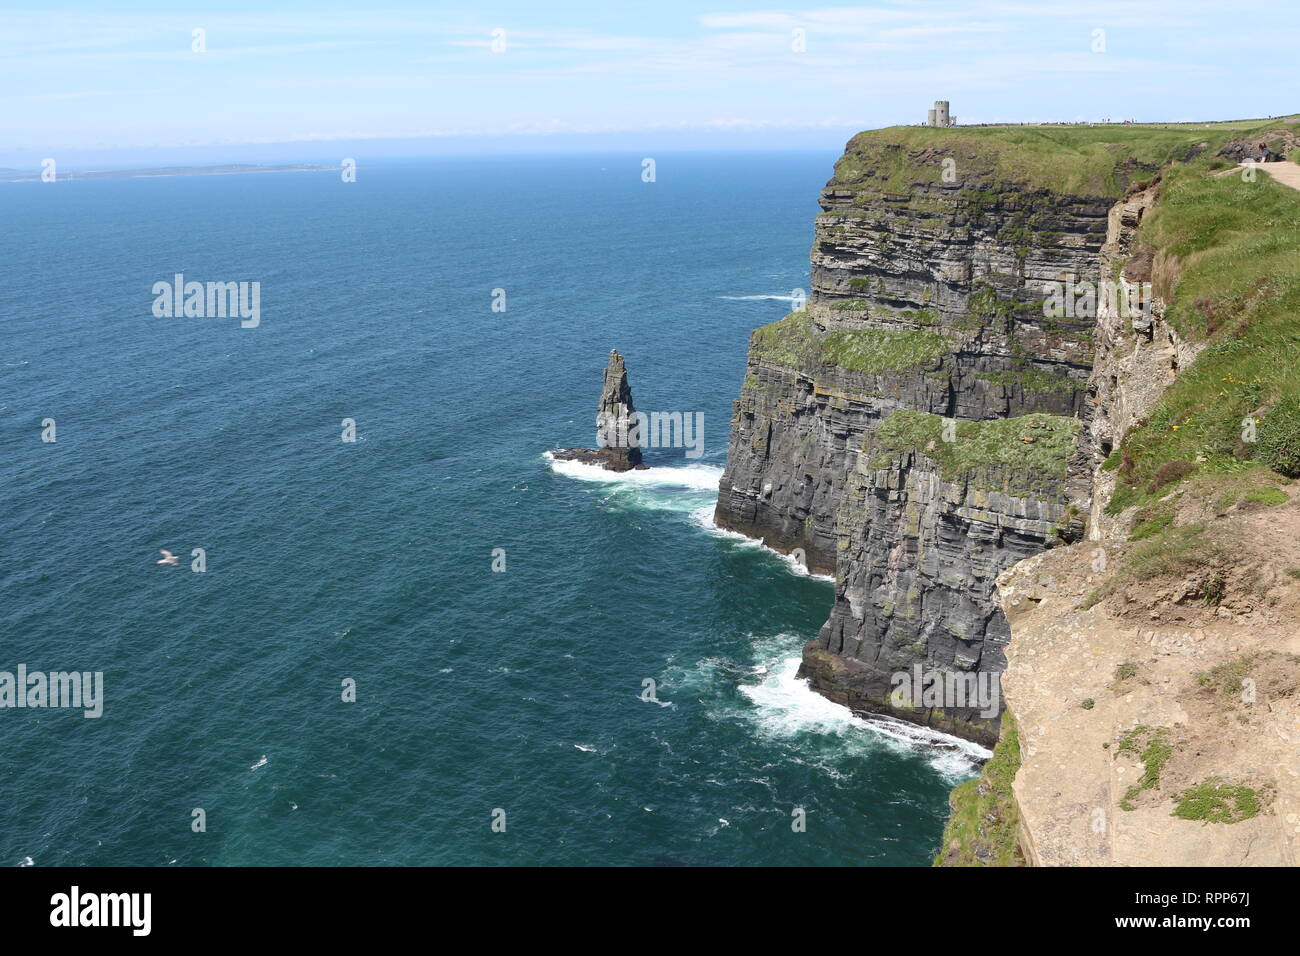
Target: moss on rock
796,343
1026,450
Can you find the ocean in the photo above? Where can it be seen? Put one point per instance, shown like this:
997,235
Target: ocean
500,716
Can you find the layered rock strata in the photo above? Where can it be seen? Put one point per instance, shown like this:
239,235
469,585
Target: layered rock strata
927,297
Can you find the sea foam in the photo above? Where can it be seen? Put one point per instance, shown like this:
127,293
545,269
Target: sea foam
786,706
693,477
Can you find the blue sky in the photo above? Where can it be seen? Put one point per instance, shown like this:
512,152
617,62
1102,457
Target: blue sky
308,79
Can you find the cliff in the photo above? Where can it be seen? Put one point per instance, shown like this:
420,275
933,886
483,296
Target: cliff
928,262
934,418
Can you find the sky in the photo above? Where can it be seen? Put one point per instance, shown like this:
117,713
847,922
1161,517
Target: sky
131,82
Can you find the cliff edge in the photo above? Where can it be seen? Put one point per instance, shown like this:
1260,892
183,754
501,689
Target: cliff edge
1025,346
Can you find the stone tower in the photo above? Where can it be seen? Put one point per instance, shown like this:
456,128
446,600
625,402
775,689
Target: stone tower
939,116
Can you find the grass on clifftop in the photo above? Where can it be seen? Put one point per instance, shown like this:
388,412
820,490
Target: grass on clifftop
1217,802
1030,447
1151,747
1231,276
983,827
1097,161
795,343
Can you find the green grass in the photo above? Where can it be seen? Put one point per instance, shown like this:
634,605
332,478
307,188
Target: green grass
879,350
997,445
1099,161
1176,552
1216,802
1266,496
1035,381
1235,277
1151,747
1279,436
795,343
1151,522
1227,678
984,823
790,341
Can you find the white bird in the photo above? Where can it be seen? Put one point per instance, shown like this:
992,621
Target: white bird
168,557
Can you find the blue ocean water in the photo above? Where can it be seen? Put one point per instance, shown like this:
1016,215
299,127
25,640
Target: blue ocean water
477,691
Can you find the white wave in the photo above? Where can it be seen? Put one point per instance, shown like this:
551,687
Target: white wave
260,763
758,298
27,861
585,748
786,705
704,518
693,477
957,756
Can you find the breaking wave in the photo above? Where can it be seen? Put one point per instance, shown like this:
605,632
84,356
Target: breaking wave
693,477
785,706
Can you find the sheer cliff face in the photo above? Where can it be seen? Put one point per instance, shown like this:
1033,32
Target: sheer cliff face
855,436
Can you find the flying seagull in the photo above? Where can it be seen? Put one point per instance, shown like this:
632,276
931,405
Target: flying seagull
168,557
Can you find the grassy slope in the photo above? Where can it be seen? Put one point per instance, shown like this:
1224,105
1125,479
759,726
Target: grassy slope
1232,253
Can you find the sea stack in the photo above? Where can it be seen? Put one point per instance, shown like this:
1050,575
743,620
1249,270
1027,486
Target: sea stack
617,433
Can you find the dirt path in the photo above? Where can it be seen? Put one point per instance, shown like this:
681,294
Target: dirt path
1286,172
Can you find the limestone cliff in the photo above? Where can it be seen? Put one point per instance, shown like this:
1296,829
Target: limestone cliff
928,420
928,262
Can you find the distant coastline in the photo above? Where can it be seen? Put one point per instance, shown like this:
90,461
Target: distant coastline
228,169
